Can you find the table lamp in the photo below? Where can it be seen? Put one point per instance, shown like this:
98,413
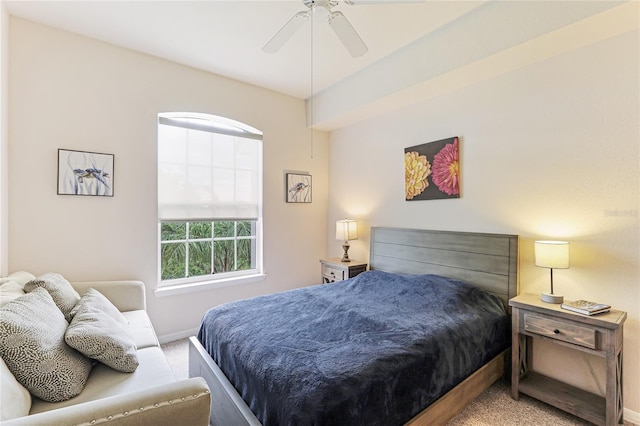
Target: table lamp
552,255
346,230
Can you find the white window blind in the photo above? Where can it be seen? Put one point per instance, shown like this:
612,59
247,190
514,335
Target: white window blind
209,168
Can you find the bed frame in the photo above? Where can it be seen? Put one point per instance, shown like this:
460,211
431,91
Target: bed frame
489,261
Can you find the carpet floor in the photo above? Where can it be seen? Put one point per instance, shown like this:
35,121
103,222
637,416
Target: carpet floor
494,407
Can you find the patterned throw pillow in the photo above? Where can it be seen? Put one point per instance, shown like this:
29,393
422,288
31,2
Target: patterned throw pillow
32,345
93,299
62,292
99,336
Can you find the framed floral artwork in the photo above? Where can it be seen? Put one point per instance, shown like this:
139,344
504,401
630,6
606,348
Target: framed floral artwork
298,188
432,170
85,173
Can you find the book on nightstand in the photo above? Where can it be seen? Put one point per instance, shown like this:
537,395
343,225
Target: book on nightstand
585,307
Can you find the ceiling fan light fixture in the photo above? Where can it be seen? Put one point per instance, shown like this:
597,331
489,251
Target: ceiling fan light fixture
336,20
322,3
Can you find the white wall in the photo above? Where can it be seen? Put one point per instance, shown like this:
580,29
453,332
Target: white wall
68,91
550,151
4,138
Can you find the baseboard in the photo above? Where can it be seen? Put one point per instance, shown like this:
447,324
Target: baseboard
172,337
631,416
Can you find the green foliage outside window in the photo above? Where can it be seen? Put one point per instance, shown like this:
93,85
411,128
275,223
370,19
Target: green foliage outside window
189,249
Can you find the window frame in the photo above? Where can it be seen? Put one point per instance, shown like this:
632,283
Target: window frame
215,279
214,276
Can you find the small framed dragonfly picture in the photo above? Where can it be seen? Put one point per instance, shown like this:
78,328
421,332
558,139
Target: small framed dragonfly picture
298,189
85,173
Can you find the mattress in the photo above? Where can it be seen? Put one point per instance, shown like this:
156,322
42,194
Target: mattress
372,350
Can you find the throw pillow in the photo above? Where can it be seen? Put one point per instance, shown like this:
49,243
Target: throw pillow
99,336
32,345
10,290
15,399
21,277
93,299
62,292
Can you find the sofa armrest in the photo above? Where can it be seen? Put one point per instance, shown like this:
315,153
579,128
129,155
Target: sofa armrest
125,295
185,402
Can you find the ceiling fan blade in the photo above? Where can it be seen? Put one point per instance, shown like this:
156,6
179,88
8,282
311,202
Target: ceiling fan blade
347,34
286,32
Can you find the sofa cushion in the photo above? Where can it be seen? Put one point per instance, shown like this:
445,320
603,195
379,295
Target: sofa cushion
154,370
93,299
15,399
141,329
61,290
32,345
99,336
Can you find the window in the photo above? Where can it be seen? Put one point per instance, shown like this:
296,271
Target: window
209,199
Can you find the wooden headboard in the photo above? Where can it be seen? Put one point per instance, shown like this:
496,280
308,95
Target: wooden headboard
489,261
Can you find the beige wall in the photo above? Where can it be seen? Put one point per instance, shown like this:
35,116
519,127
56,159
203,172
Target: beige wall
73,92
547,151
4,138
550,151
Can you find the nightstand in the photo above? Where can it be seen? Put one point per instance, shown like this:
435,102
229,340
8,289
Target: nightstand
599,335
333,269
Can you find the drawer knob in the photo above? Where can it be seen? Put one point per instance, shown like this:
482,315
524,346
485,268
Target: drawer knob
556,331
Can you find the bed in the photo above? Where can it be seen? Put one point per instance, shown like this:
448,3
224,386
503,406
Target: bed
406,266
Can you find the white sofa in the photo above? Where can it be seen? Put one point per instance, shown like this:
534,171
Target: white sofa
150,395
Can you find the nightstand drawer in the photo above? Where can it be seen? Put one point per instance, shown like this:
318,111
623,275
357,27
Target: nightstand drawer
558,329
333,269
333,273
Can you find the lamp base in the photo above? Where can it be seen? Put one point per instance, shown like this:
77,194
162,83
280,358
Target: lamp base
551,298
345,256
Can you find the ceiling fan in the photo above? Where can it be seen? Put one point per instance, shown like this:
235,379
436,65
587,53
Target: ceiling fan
336,20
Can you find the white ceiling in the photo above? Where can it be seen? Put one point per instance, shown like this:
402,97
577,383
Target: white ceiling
416,49
226,37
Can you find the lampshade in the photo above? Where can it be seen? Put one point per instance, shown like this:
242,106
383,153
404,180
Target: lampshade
552,254
346,230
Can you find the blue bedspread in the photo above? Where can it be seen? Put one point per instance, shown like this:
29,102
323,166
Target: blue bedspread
373,350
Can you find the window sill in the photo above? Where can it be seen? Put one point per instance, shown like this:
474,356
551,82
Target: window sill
206,285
